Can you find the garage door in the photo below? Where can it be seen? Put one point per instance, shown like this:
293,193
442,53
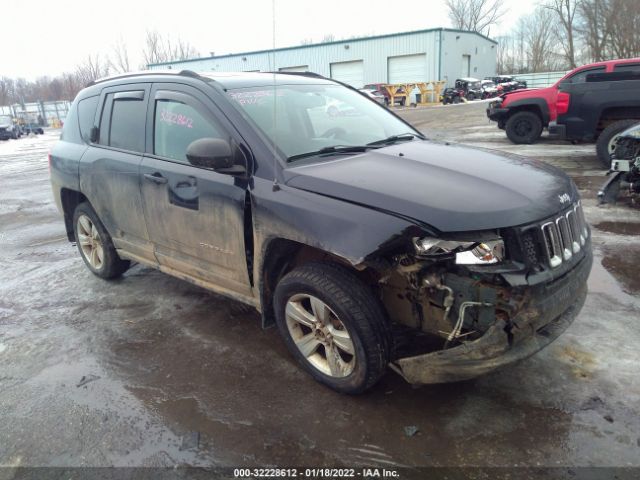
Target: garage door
349,72
299,68
407,68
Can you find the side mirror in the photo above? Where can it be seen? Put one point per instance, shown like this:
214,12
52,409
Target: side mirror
213,153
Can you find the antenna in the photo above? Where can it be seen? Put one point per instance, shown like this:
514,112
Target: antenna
276,187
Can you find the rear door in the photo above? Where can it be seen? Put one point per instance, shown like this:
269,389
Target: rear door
109,175
195,216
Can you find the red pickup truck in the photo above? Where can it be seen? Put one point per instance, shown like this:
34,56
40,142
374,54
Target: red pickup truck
524,113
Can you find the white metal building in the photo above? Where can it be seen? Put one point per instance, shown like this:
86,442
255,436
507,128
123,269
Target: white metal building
418,56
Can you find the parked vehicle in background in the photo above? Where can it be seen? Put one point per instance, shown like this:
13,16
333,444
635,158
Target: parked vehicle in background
624,172
28,128
380,88
451,95
8,128
470,87
374,95
507,83
600,109
524,114
489,89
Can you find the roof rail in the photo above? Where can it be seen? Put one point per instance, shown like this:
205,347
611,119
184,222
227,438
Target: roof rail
184,73
304,74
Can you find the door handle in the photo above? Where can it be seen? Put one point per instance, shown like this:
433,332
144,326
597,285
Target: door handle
156,178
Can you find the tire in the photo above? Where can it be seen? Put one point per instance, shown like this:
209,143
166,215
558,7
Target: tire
353,310
93,237
606,145
524,127
456,99
471,96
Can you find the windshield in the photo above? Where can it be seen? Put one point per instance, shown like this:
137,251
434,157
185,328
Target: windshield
308,118
5,120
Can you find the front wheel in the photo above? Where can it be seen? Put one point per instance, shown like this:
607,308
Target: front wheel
608,140
334,326
524,127
95,244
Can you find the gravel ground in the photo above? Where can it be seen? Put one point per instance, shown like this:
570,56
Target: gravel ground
152,371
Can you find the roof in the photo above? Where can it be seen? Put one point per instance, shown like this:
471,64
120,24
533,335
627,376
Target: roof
335,42
228,80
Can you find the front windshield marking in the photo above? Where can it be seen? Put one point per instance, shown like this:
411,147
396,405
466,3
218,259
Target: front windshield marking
309,118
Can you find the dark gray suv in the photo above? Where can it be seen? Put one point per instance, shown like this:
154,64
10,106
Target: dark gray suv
366,244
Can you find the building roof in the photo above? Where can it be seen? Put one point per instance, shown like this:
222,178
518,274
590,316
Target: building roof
321,44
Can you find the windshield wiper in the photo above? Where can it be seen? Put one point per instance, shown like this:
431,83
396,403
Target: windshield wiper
396,138
332,149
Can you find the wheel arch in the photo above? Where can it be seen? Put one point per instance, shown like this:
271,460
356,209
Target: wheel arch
537,106
70,199
282,255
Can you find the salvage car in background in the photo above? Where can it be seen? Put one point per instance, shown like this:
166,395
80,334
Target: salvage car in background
598,109
470,87
367,245
625,167
524,114
8,128
489,89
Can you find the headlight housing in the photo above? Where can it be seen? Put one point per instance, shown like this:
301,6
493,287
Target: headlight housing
484,252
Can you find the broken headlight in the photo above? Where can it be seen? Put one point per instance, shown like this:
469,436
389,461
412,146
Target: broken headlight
484,252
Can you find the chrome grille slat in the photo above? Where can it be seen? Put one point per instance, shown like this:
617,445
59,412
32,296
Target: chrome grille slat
552,243
565,235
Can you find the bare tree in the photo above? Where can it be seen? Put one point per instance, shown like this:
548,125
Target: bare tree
475,15
119,60
92,68
565,11
595,27
540,38
159,50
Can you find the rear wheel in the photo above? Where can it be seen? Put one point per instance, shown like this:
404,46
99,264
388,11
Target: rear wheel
524,127
95,244
334,326
608,140
471,96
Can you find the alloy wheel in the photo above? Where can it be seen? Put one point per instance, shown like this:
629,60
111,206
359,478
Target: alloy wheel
320,336
90,242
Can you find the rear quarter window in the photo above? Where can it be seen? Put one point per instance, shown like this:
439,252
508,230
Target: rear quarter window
86,116
71,129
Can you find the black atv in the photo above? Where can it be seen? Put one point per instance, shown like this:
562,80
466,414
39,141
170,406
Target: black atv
451,95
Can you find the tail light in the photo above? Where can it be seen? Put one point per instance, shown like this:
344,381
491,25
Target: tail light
49,156
562,102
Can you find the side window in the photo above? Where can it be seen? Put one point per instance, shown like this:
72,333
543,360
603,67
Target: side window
627,67
581,76
123,120
86,115
178,122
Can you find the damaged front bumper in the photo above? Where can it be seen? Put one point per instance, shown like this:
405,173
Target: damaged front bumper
550,310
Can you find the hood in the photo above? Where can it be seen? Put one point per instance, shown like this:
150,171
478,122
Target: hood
520,93
449,187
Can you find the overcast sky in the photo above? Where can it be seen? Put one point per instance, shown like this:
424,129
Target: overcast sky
52,36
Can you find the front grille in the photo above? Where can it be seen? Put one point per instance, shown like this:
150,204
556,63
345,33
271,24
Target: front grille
564,236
